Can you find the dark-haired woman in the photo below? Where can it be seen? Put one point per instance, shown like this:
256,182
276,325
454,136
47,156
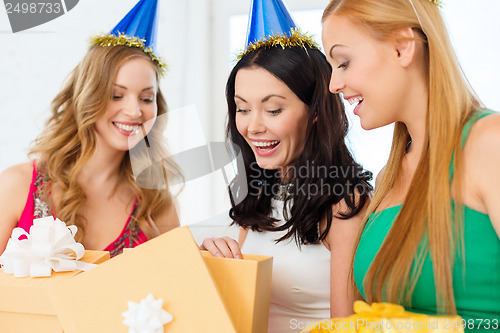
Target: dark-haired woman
306,194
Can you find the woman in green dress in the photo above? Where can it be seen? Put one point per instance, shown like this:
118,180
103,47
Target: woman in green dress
431,236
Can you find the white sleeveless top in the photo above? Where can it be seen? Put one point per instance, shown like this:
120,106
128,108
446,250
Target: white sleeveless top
300,287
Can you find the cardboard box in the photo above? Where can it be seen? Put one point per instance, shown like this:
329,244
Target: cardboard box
245,287
170,267
25,303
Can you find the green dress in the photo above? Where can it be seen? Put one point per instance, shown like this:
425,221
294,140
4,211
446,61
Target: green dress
477,292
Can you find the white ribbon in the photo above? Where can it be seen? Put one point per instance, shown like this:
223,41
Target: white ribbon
146,316
50,245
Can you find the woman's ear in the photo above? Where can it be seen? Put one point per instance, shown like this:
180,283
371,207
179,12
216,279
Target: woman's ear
405,46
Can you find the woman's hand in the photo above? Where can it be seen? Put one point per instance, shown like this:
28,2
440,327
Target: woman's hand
222,247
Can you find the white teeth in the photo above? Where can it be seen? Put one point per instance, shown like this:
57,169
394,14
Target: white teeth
355,100
264,144
127,128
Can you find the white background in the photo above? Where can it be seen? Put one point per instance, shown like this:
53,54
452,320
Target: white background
198,40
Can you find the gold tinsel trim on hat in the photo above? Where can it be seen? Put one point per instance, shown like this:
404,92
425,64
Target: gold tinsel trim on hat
296,38
122,39
438,3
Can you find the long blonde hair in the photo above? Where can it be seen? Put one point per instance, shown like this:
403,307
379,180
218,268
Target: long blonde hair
69,139
426,217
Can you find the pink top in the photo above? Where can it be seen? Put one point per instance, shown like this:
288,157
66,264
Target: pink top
36,207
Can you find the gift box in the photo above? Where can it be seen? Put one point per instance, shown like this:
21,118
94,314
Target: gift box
386,317
26,304
245,287
169,267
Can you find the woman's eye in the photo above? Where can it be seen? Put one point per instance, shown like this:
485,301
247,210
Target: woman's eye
344,65
116,97
147,100
242,111
274,112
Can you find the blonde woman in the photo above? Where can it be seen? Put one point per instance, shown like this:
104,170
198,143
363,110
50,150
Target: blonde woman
431,235
82,173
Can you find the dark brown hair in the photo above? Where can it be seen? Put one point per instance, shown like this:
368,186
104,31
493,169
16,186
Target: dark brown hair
307,73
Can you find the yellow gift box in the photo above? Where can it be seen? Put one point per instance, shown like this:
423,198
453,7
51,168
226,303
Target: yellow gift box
384,318
200,292
25,303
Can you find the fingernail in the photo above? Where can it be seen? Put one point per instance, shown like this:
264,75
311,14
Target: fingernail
238,256
218,254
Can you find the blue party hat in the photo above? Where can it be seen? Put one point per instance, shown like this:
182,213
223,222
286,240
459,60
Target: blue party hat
268,17
270,25
141,22
139,28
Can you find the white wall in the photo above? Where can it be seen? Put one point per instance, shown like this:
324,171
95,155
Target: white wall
194,40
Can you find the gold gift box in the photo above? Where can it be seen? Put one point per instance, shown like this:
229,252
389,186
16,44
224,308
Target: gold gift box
385,318
203,294
25,303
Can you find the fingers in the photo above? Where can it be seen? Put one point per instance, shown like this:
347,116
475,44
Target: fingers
222,247
234,247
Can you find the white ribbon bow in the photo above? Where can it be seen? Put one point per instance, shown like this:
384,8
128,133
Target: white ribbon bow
50,245
146,316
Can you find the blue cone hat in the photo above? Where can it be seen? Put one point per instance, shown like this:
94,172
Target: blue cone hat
268,17
141,22
139,28
270,25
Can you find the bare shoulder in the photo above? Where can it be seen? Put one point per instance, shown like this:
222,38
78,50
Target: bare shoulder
23,170
487,128
16,179
14,188
482,162
482,149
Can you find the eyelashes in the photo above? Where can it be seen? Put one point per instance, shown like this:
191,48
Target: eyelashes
271,112
344,65
274,112
145,100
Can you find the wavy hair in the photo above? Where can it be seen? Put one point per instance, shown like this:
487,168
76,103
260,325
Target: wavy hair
426,215
331,174
69,139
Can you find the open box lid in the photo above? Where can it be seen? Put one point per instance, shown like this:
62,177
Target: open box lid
170,267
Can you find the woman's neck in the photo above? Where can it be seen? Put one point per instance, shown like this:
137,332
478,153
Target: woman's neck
414,116
102,167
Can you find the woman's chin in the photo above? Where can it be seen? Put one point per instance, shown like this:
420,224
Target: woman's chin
368,125
266,165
